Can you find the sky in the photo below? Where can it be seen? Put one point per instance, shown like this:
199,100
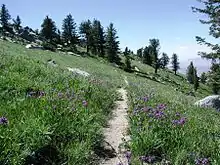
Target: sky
136,21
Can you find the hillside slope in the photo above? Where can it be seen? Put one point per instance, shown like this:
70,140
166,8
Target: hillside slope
46,108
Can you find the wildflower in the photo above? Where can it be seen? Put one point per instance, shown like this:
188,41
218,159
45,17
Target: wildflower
3,120
147,159
85,103
161,106
60,95
177,114
181,121
158,114
145,99
202,161
128,156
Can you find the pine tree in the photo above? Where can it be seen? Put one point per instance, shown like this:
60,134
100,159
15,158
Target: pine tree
98,38
140,53
128,67
112,45
214,78
4,18
126,53
69,33
211,11
85,29
175,63
48,30
17,23
147,58
154,52
203,78
195,79
164,60
189,73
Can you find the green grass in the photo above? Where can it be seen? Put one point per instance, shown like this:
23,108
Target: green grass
58,122
179,143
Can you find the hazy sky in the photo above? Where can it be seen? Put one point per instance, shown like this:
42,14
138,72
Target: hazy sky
136,21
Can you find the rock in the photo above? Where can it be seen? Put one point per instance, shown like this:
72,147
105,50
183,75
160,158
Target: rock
52,62
210,102
78,71
70,53
31,46
136,68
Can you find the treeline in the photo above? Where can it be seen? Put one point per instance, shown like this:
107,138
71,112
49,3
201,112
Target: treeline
89,34
150,55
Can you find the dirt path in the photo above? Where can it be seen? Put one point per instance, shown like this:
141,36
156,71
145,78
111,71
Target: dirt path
117,130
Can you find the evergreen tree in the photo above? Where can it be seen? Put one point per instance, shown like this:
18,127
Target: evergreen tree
214,78
126,53
48,30
175,63
140,53
211,11
189,73
17,23
4,18
98,38
203,78
85,29
195,79
128,67
164,60
147,58
69,33
154,52
112,45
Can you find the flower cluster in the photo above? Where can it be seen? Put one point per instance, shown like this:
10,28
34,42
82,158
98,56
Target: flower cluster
3,120
36,94
202,161
147,159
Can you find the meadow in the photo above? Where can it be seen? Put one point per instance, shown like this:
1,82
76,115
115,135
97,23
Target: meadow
46,109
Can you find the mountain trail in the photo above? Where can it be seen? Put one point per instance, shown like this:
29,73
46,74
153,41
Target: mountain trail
116,131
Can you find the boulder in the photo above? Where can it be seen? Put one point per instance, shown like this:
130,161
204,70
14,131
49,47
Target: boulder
212,101
70,53
78,71
31,46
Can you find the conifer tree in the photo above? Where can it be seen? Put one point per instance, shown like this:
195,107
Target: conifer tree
17,23
190,72
140,53
48,29
112,44
85,29
195,79
154,52
211,13
164,60
147,58
203,78
175,63
4,18
69,33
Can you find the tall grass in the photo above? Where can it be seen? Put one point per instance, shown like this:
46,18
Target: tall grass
47,115
167,129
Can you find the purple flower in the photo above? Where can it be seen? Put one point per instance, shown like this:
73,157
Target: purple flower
177,114
60,95
158,114
147,159
128,156
202,161
145,99
181,121
3,120
161,106
85,103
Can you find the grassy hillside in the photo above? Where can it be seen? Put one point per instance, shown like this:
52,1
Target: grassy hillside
46,109
50,110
